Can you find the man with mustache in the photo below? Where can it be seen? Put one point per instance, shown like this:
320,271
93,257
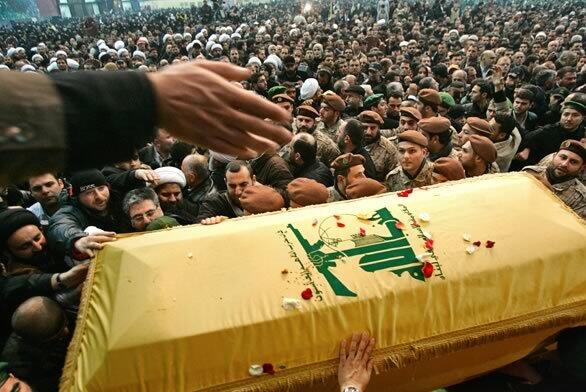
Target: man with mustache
305,121
382,151
562,175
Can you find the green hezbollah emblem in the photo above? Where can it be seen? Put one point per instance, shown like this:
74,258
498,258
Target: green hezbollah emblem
379,252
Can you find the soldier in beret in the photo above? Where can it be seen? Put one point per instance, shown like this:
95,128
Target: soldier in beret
305,121
332,107
304,192
447,169
428,103
284,101
408,119
364,187
414,169
477,156
259,198
474,126
562,175
348,168
378,104
438,132
354,100
382,151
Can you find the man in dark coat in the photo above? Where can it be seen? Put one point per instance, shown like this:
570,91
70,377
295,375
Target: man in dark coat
89,207
304,163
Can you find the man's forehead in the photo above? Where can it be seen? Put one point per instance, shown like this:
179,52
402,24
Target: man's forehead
25,233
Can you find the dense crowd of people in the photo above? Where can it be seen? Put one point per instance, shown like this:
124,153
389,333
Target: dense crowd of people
436,92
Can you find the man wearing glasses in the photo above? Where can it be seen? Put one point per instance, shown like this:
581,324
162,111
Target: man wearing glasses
142,207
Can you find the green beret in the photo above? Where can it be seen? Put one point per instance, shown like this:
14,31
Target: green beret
576,105
277,90
4,373
373,100
447,100
163,222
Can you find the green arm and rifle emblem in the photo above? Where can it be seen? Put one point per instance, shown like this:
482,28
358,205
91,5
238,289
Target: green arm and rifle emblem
392,253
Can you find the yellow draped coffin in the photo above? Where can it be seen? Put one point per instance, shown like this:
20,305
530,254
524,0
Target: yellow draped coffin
192,308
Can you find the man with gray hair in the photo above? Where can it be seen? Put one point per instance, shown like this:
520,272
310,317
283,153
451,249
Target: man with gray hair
142,207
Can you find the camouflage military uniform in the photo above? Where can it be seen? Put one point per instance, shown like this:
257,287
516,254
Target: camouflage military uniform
571,192
335,195
397,179
446,152
549,158
384,155
494,168
327,150
390,134
331,131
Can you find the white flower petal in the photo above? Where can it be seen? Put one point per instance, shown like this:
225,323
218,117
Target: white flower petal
427,234
255,370
423,257
291,303
467,237
471,249
424,217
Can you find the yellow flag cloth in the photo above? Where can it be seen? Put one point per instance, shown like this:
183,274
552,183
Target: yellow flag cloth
451,280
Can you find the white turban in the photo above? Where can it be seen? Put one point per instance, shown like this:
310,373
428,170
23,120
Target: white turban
170,174
254,60
308,89
28,68
138,53
118,45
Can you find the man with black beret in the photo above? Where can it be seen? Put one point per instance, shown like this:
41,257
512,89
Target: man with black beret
414,169
562,175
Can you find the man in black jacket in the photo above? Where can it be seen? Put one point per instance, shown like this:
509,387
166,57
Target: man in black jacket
90,205
158,153
352,141
227,204
546,140
304,163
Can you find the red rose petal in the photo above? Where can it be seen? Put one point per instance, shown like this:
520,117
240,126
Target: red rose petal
476,243
306,294
362,232
340,224
489,244
427,269
429,244
405,192
400,225
268,368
